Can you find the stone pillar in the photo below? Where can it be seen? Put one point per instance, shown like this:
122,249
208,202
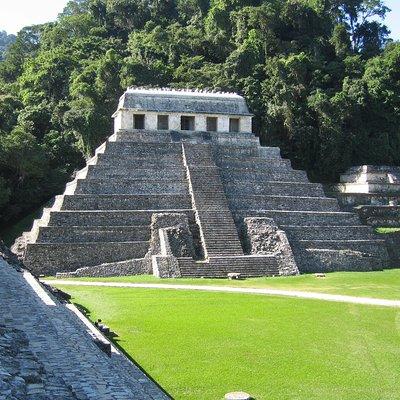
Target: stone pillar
200,123
245,124
117,121
150,121
223,123
175,122
127,119
165,267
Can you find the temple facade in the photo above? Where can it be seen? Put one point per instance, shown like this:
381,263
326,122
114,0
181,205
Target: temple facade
182,110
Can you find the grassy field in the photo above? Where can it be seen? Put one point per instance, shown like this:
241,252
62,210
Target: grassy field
381,284
200,345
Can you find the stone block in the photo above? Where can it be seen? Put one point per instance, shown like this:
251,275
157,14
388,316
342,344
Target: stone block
165,266
393,247
176,234
122,268
50,258
264,237
388,216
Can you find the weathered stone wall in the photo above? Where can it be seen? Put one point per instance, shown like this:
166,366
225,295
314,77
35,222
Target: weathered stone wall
170,238
393,246
182,240
129,267
262,236
52,259
386,216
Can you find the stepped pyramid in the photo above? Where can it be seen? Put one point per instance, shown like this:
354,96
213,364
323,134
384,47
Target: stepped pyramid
191,156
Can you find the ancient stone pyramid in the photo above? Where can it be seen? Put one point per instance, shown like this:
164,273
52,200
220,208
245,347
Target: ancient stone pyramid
196,203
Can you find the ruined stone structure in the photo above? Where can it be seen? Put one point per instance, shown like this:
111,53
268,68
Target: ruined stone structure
374,191
183,188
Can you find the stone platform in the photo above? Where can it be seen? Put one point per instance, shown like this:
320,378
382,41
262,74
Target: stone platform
214,181
372,191
368,185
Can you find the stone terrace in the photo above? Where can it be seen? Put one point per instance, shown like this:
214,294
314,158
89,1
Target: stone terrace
46,352
217,179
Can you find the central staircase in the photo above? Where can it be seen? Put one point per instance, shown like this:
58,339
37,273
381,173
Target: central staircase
222,248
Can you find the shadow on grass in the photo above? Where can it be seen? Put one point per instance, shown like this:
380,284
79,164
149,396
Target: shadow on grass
112,336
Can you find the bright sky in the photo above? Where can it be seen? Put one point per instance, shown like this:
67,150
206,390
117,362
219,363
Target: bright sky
15,14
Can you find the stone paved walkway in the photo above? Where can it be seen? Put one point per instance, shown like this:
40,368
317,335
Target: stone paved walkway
57,358
272,292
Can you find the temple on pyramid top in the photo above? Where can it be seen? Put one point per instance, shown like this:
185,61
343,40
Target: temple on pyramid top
182,110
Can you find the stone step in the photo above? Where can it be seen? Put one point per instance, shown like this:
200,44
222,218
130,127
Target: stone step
51,258
143,149
302,218
130,186
226,161
238,151
248,266
323,260
380,215
256,151
143,136
202,202
371,246
162,201
260,176
284,203
107,218
224,140
274,188
89,234
328,232
125,172
219,234
140,161
264,167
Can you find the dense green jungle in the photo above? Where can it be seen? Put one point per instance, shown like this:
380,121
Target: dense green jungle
321,76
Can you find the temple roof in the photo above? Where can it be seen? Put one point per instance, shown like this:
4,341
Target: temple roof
183,101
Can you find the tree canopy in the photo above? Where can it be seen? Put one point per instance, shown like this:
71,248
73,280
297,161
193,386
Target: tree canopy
5,41
321,76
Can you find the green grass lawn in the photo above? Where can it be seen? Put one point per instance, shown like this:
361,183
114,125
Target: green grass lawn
381,284
200,345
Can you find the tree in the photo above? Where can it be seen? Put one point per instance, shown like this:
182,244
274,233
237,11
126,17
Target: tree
357,16
21,156
5,41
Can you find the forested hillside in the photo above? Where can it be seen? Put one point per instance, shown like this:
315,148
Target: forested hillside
5,41
321,76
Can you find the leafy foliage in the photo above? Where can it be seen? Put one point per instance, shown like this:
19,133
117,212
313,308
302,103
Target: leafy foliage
5,41
321,77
